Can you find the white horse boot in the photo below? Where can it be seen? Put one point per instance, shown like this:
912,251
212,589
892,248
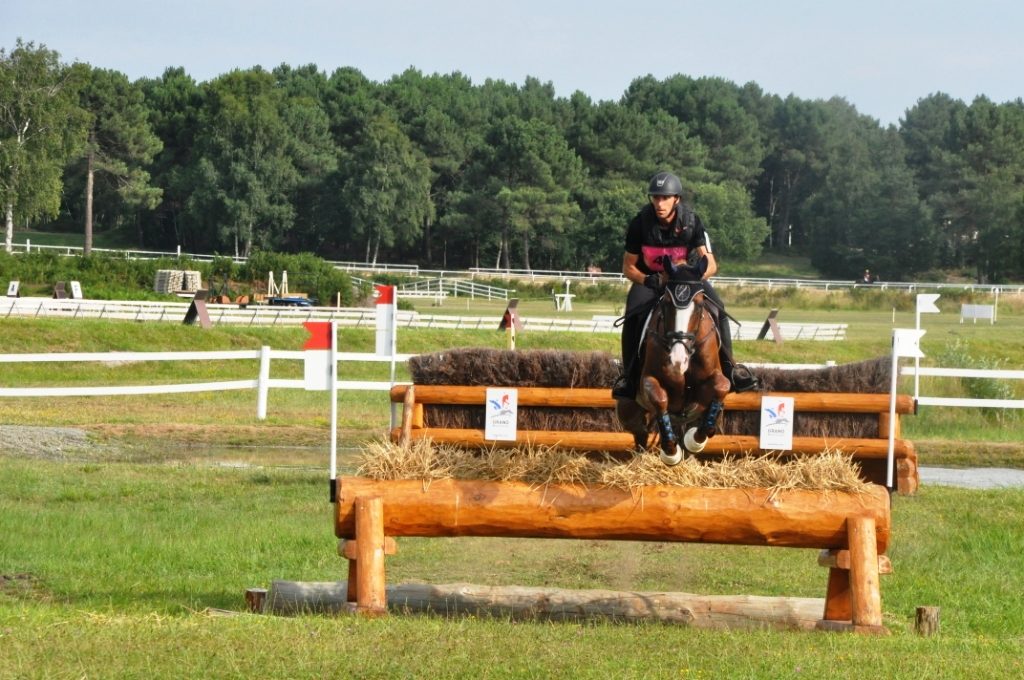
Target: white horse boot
690,442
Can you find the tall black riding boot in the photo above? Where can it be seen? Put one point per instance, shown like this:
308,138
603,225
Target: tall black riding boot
740,377
625,386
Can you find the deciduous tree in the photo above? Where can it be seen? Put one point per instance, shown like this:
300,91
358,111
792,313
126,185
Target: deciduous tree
41,126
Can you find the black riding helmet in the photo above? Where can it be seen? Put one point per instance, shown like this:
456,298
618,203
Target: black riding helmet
665,184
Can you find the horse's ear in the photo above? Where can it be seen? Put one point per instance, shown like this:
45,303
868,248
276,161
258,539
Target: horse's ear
667,264
702,265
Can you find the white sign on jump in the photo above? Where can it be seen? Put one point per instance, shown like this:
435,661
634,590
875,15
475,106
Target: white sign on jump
776,423
502,412
76,290
12,288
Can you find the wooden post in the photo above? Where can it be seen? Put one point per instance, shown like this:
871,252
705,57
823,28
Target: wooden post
349,549
838,600
865,591
926,621
370,594
408,412
353,570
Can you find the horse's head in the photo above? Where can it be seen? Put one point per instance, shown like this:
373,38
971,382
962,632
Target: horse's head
676,324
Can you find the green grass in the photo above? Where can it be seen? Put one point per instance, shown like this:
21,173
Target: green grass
121,569
118,557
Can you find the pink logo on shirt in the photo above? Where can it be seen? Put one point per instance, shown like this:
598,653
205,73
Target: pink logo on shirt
652,256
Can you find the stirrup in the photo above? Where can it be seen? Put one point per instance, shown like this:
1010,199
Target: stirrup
622,389
743,380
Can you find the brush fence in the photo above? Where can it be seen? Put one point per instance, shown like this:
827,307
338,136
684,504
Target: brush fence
850,529
871,453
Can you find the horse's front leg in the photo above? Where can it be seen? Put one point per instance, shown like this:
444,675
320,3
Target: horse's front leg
657,399
711,396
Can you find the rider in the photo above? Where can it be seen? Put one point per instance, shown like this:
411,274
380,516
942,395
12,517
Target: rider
666,226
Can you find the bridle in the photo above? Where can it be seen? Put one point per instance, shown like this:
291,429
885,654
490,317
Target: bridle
681,295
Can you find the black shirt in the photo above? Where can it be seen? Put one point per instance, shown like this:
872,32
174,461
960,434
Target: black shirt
649,239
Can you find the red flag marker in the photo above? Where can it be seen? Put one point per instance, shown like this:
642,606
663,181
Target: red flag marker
385,294
319,334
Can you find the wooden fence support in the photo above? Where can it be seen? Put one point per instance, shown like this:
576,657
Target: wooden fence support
369,520
864,587
408,415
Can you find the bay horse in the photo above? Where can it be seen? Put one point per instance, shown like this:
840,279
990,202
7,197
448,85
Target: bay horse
681,384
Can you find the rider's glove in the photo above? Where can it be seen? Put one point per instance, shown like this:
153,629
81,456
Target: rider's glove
652,281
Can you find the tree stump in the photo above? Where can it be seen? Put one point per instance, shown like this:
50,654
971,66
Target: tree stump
926,622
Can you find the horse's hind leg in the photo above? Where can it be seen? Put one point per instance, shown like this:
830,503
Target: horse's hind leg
656,396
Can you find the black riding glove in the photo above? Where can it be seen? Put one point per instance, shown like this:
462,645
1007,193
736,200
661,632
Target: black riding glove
653,281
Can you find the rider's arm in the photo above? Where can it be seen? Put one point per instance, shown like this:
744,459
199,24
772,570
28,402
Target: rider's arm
630,270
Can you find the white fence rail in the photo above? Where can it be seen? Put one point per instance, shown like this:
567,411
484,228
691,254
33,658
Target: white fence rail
441,287
990,374
749,330
262,383
360,317
251,315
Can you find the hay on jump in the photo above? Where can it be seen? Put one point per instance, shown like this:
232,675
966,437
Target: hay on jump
539,466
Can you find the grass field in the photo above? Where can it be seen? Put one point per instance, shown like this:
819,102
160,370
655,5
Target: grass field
126,555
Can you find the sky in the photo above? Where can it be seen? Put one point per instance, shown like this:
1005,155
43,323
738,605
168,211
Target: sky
881,56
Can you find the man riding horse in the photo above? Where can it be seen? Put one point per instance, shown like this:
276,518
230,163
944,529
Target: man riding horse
665,226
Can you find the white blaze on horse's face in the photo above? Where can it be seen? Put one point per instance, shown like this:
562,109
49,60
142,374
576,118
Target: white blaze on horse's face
678,356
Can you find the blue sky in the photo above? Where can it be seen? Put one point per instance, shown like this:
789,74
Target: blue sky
881,56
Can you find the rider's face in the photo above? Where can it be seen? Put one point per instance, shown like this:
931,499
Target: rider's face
664,206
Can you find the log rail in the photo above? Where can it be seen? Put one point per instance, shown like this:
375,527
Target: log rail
871,453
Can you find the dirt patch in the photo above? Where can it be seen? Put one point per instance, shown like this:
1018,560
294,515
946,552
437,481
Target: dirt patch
43,442
222,434
21,586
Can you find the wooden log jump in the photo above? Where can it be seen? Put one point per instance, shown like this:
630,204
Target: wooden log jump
555,604
851,529
870,453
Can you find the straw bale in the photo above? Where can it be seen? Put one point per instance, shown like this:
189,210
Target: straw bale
423,460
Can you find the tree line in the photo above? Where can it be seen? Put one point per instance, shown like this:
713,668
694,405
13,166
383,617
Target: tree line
437,170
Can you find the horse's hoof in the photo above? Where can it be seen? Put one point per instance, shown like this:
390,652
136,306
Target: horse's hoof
691,444
672,459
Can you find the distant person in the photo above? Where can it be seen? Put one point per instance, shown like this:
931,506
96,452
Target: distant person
866,277
666,226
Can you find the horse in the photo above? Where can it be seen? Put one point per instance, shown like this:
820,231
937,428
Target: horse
681,384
